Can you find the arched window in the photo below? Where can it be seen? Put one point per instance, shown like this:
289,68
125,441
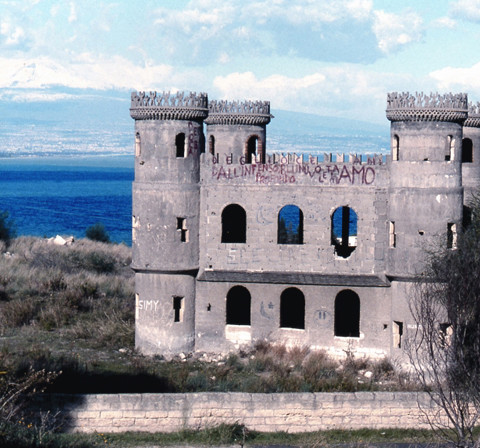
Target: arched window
254,148
251,148
344,231
180,144
290,225
347,314
137,144
211,145
467,150
238,306
395,147
234,224
292,309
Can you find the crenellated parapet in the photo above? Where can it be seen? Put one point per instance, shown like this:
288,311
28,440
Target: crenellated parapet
473,120
169,106
232,113
421,107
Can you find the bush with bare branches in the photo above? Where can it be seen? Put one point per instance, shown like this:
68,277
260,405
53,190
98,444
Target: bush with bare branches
445,351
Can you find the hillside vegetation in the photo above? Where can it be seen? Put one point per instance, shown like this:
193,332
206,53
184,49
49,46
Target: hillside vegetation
71,309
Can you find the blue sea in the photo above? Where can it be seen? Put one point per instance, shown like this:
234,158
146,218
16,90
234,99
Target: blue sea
47,196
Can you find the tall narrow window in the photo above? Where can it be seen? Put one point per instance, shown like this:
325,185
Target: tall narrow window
251,149
467,150
238,306
211,145
392,236
180,144
234,224
347,314
395,147
451,235
177,309
450,154
344,231
397,329
292,309
182,229
137,144
290,225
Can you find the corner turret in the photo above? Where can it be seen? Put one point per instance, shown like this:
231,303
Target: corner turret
471,151
238,129
166,196
426,193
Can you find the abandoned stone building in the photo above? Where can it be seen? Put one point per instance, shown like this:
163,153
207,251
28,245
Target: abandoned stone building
232,245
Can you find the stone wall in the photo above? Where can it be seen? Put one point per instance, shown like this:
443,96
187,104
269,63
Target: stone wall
300,412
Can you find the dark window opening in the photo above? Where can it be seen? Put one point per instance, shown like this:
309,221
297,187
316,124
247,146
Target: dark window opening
254,150
290,225
451,235
397,334
182,229
467,217
178,309
137,144
234,224
467,150
180,144
347,314
292,309
211,145
450,150
344,231
251,149
238,306
396,148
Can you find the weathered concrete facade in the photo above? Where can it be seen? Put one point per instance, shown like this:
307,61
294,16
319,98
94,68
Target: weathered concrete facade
232,245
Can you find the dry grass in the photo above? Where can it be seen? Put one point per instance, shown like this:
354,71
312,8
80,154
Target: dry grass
86,288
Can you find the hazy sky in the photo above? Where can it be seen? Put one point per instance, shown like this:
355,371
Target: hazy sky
330,57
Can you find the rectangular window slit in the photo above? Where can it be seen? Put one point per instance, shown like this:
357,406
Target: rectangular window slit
178,309
451,235
392,234
182,229
397,334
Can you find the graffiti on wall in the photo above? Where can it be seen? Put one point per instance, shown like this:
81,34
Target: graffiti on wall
290,173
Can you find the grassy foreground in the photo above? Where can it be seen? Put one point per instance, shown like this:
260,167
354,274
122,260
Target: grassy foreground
222,435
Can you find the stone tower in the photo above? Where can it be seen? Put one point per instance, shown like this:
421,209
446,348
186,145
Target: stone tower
471,151
425,192
166,196
238,130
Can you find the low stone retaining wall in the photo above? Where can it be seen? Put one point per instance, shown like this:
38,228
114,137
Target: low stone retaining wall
292,412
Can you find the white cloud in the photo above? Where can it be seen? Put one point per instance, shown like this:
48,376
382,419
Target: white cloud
73,13
394,30
466,9
84,71
459,79
13,35
337,91
445,22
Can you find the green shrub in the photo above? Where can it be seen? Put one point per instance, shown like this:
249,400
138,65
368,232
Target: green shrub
97,232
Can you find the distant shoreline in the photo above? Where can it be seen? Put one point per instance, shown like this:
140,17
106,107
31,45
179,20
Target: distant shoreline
84,160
